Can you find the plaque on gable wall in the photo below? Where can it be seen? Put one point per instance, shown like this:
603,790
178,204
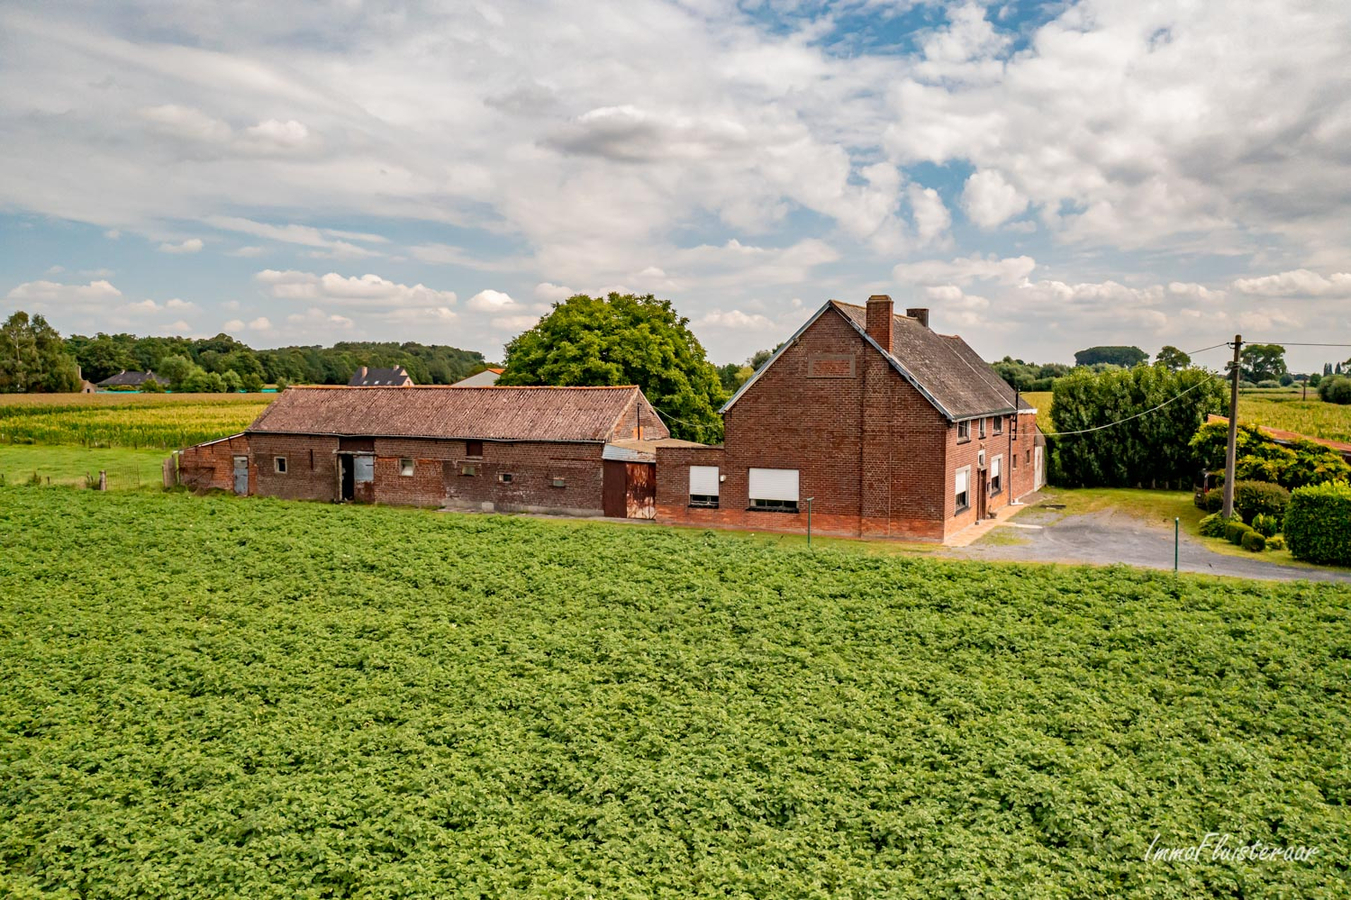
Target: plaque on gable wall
830,365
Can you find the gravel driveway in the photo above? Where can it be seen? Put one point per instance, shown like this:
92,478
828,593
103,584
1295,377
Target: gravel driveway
1108,536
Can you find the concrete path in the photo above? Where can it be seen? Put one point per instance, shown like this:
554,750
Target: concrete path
1108,536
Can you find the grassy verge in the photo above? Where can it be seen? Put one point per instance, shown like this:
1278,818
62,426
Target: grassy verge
127,469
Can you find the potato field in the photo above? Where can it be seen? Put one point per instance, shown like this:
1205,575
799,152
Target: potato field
164,421
215,697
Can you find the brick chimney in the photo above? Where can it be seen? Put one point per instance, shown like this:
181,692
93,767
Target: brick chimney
879,320
920,314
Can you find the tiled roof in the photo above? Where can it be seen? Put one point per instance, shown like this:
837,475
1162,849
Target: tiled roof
130,379
479,413
943,366
364,377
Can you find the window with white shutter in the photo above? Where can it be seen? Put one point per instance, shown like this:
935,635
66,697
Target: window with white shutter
963,488
704,486
773,489
996,475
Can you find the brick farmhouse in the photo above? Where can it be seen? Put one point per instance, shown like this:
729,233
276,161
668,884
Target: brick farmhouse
565,450
892,430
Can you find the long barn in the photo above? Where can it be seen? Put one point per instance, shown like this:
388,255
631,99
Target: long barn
564,450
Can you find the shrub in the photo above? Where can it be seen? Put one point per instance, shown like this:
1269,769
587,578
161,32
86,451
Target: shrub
1275,542
1254,542
1234,530
1211,501
1265,525
1254,498
1212,525
1335,390
1318,524
1268,383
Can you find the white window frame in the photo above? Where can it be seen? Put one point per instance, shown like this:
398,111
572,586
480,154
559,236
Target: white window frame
962,474
774,492
964,431
982,428
705,483
279,465
997,475
998,424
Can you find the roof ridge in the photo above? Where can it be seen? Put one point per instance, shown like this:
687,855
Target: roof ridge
470,387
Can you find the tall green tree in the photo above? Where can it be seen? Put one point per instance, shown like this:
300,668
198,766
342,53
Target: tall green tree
1125,357
1142,445
33,358
1262,362
1172,358
624,339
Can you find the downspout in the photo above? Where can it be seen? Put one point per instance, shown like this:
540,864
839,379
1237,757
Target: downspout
1015,427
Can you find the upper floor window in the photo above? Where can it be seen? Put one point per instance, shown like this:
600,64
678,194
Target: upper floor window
982,429
964,431
998,424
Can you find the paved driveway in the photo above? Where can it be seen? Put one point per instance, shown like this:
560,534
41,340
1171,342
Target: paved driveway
1108,536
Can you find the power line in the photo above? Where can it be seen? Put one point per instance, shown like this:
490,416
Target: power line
1199,384
1212,347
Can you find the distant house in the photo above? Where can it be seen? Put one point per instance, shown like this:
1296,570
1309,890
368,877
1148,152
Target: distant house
132,380
486,378
562,450
395,377
886,427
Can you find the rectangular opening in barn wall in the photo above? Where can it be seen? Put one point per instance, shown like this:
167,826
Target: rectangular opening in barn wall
241,475
505,478
560,482
279,465
406,468
468,471
363,469
775,490
473,448
704,486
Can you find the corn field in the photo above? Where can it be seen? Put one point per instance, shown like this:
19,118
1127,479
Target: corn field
165,421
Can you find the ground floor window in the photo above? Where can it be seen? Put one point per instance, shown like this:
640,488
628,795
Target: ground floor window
406,467
279,465
704,486
506,478
996,475
775,490
963,488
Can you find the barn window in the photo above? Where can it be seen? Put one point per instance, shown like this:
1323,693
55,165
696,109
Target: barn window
996,475
773,489
363,469
963,431
405,467
998,424
560,482
279,464
470,471
704,486
473,448
982,429
505,477
963,488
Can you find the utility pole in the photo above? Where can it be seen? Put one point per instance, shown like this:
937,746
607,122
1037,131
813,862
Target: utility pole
1230,451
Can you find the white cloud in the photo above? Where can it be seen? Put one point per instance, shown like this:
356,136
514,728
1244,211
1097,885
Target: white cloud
185,123
327,242
989,200
514,324
931,215
50,294
246,252
369,294
233,325
55,270
490,301
1297,283
1010,270
276,136
735,319
260,324
552,293
191,245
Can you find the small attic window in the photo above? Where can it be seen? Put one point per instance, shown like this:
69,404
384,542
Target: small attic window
473,448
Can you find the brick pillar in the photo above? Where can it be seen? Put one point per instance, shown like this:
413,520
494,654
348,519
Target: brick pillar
879,320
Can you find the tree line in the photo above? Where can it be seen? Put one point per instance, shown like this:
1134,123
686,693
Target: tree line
35,358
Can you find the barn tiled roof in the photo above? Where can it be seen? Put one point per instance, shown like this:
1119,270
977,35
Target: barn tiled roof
480,413
943,366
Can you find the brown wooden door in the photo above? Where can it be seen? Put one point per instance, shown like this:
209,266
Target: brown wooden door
613,489
641,493
981,495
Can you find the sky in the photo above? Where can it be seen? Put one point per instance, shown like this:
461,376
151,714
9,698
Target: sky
1043,176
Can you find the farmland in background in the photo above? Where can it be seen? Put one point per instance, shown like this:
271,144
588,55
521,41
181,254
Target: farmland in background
209,696
1284,409
1042,401
127,469
165,421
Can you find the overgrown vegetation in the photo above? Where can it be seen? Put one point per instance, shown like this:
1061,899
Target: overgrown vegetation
167,421
1144,447
213,697
1259,458
1318,524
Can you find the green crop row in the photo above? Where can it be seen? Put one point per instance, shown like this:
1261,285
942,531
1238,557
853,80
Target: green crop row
161,423
215,697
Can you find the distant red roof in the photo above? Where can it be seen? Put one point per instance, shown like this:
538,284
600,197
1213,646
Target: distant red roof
1280,435
588,414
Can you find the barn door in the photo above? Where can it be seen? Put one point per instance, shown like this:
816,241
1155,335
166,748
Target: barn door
641,490
612,499
242,475
1038,471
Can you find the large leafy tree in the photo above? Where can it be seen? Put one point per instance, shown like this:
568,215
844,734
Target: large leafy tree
33,358
624,339
1172,358
1262,362
1112,356
1142,445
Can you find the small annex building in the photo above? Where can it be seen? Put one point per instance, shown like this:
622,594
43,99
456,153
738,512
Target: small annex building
584,451
131,380
396,376
889,428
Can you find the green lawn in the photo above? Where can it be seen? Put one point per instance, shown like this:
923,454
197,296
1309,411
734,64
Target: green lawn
127,469
216,697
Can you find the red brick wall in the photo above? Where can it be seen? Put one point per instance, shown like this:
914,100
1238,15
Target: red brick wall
1017,480
211,466
877,457
640,415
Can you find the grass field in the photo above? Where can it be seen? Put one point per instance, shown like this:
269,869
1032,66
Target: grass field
127,469
215,697
165,421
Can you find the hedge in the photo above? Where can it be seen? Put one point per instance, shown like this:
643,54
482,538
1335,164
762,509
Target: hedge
1318,523
1234,530
1254,541
1254,498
